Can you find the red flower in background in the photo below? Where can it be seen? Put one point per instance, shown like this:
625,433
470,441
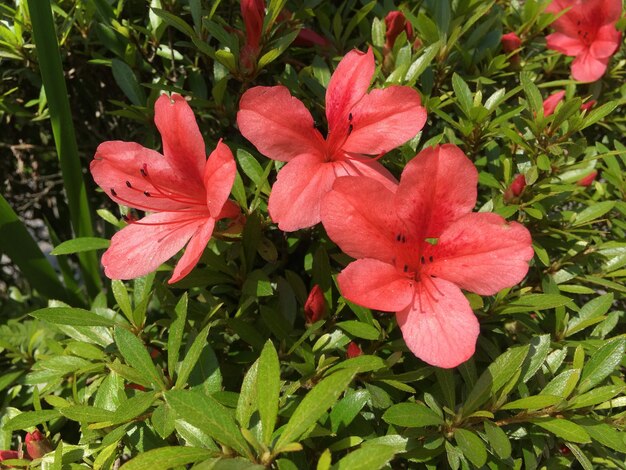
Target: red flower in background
551,102
186,193
418,247
253,13
515,188
586,31
37,444
359,124
353,350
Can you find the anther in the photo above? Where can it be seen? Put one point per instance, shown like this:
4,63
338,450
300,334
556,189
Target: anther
350,117
350,129
128,184
113,192
144,170
146,193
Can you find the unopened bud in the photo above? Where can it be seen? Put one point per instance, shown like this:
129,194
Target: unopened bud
510,42
587,180
396,23
515,188
353,350
551,102
37,444
315,306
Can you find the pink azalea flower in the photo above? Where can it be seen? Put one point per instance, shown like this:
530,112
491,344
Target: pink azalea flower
587,32
416,249
396,22
587,180
315,306
510,42
551,102
359,124
185,193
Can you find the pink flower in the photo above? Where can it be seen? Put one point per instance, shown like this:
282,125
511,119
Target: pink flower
551,102
510,42
185,193
315,306
587,180
416,249
353,350
586,31
359,124
37,444
396,23
515,189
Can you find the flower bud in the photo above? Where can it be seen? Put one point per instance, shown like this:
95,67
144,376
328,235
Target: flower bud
588,105
315,306
551,102
510,42
353,350
587,180
396,23
8,455
515,188
37,444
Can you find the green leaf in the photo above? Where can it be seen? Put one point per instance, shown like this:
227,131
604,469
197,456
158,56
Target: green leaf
78,245
127,81
359,329
71,316
175,335
420,64
595,396
268,389
591,310
564,429
17,243
247,403
535,402
532,93
165,458
602,363
593,212
209,416
175,22
494,378
344,412
135,354
253,170
534,302
498,440
29,419
463,93
51,68
87,414
563,384
539,349
472,446
192,357
122,298
604,434
371,457
412,415
314,405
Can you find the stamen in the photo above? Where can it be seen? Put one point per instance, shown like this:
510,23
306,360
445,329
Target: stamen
146,193
350,117
128,184
350,127
113,192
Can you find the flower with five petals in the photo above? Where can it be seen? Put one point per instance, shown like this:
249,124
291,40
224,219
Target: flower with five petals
185,193
420,245
360,124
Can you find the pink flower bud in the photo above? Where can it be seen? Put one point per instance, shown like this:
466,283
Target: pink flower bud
551,102
511,42
8,455
353,350
588,105
309,38
587,180
396,23
315,306
515,188
253,13
37,444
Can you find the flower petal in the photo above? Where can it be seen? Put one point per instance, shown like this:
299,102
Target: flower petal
587,68
369,168
384,119
482,253
219,176
194,250
375,284
183,145
361,229
278,124
440,327
437,187
568,45
117,168
606,42
297,194
141,247
347,86
551,102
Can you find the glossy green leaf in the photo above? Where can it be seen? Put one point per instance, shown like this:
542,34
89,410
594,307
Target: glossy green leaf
602,363
412,415
472,446
371,457
136,355
268,389
165,458
563,429
71,316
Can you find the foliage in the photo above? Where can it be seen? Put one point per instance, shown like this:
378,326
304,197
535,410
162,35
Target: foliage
222,370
